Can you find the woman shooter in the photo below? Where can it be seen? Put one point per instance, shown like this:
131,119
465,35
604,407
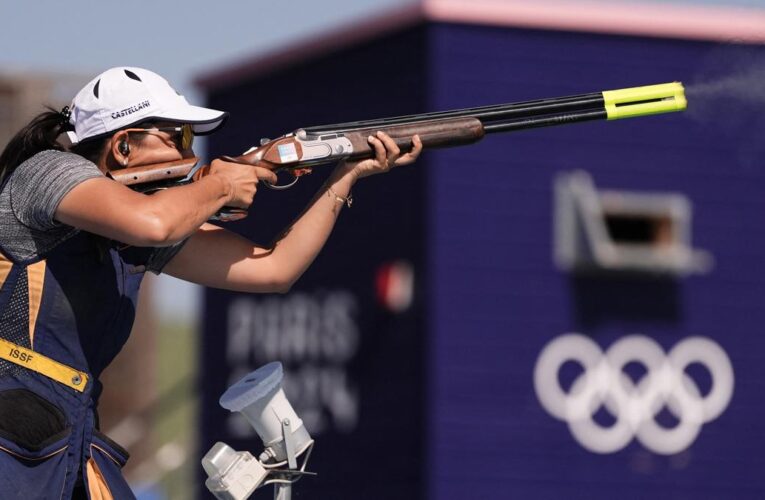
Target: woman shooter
75,245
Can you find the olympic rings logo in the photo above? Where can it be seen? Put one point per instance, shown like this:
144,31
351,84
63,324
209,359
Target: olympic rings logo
634,405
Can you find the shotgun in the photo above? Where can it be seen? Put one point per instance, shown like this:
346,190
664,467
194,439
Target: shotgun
299,151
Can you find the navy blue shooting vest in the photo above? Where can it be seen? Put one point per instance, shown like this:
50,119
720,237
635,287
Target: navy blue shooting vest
75,307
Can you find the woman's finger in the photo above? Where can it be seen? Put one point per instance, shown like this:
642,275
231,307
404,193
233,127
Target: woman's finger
267,175
411,156
390,145
380,153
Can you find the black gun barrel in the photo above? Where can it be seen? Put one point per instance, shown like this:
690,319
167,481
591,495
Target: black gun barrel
545,121
487,114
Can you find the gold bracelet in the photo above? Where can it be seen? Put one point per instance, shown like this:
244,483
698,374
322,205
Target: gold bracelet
347,201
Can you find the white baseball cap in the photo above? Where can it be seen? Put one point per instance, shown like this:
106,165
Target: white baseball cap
122,97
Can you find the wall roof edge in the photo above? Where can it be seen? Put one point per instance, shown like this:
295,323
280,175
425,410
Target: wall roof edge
688,22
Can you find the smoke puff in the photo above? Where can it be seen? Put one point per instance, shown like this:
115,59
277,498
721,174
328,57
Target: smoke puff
729,94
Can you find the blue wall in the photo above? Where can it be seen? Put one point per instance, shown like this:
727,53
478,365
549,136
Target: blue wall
496,297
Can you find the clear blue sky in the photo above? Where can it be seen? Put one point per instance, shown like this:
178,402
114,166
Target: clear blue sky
176,39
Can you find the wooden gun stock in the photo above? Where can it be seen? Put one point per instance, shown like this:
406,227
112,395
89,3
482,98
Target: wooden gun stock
433,134
152,177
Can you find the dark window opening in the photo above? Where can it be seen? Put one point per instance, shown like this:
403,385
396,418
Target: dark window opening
639,229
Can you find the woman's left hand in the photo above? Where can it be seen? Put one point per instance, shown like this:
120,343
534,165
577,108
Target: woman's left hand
387,156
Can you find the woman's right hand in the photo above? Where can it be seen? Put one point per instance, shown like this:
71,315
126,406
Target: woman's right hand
242,180
103,206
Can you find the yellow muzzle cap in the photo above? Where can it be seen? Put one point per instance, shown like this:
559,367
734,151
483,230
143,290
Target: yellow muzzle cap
642,101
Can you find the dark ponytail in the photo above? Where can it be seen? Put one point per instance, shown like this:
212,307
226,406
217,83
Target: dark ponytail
39,135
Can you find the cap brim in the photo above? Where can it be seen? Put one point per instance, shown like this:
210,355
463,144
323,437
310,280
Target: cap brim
205,120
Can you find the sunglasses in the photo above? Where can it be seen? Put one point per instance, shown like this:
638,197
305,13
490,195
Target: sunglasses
182,136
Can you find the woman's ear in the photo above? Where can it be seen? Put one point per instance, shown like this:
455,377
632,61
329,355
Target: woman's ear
120,148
